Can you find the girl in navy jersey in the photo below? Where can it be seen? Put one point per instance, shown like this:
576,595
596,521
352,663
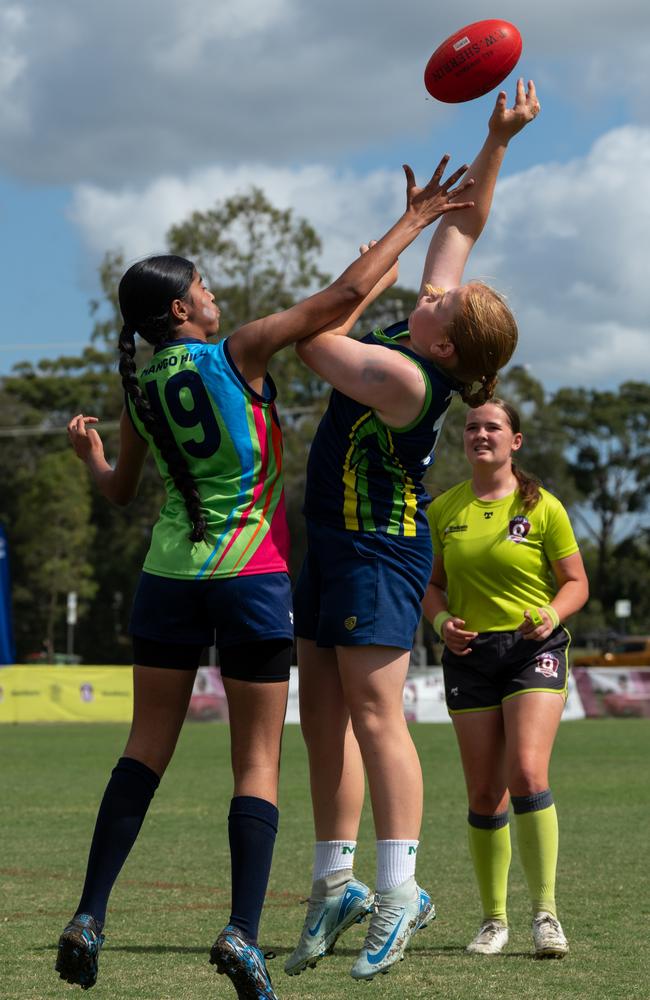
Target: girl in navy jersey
217,562
357,601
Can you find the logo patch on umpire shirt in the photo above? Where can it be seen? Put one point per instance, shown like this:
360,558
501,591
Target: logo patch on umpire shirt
518,528
350,623
547,665
455,527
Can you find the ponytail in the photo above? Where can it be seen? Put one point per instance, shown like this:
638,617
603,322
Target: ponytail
482,395
484,335
157,279
528,489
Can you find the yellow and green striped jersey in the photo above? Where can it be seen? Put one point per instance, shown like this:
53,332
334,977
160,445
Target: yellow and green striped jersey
365,476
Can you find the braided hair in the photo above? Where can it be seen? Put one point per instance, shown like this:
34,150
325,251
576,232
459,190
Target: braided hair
527,486
146,293
484,335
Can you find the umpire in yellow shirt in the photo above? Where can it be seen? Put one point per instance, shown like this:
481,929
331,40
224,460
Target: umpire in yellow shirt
506,572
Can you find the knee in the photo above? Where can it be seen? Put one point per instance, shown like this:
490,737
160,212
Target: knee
488,800
527,777
371,723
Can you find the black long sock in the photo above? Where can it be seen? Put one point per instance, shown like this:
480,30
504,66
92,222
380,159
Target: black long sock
129,791
252,828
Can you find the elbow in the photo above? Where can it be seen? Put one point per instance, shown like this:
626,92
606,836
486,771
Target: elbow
350,293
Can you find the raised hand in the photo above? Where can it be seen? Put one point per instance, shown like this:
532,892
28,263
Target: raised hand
506,122
436,199
85,441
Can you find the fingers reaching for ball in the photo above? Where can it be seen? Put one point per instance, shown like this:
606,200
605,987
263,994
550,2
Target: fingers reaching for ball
506,122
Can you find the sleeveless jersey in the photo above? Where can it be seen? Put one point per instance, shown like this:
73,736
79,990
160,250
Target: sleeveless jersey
363,475
232,442
498,558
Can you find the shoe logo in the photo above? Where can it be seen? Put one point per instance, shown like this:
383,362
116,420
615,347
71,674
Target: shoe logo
351,896
381,954
350,623
313,931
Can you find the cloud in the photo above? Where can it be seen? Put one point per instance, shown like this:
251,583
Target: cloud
568,242
565,242
109,93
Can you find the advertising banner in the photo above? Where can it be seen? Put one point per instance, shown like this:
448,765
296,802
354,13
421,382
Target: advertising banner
614,691
104,694
66,694
92,694
424,698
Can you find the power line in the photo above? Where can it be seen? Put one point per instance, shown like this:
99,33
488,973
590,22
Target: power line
113,425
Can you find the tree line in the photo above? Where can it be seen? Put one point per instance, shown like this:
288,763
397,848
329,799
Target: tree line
590,447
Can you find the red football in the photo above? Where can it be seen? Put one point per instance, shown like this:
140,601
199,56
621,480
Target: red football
472,61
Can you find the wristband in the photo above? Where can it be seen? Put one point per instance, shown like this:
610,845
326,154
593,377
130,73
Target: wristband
552,614
439,621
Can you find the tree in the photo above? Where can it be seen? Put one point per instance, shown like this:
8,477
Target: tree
608,438
53,540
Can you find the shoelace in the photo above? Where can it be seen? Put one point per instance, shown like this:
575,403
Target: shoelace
382,922
550,922
490,931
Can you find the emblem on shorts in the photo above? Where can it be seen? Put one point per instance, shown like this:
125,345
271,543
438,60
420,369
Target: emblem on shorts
454,692
350,623
518,528
291,617
547,665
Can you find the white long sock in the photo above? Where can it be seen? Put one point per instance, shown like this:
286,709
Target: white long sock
395,862
332,856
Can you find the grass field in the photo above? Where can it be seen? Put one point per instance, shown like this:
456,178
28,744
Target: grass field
173,895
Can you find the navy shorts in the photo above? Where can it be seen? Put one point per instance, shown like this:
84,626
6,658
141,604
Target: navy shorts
232,611
361,588
502,665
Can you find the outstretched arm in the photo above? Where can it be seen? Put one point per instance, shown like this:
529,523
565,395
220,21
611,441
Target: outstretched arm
344,323
253,344
455,236
383,380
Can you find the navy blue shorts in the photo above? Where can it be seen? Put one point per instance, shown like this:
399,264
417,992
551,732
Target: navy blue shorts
502,665
361,588
233,610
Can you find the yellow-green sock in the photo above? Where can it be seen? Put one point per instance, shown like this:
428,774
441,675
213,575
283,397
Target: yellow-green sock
537,838
489,847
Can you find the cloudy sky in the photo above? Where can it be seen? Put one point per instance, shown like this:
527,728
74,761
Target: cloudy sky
120,117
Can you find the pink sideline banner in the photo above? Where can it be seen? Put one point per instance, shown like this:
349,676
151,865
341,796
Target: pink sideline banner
614,691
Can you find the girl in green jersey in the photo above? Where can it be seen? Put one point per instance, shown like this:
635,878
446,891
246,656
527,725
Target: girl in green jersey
506,573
